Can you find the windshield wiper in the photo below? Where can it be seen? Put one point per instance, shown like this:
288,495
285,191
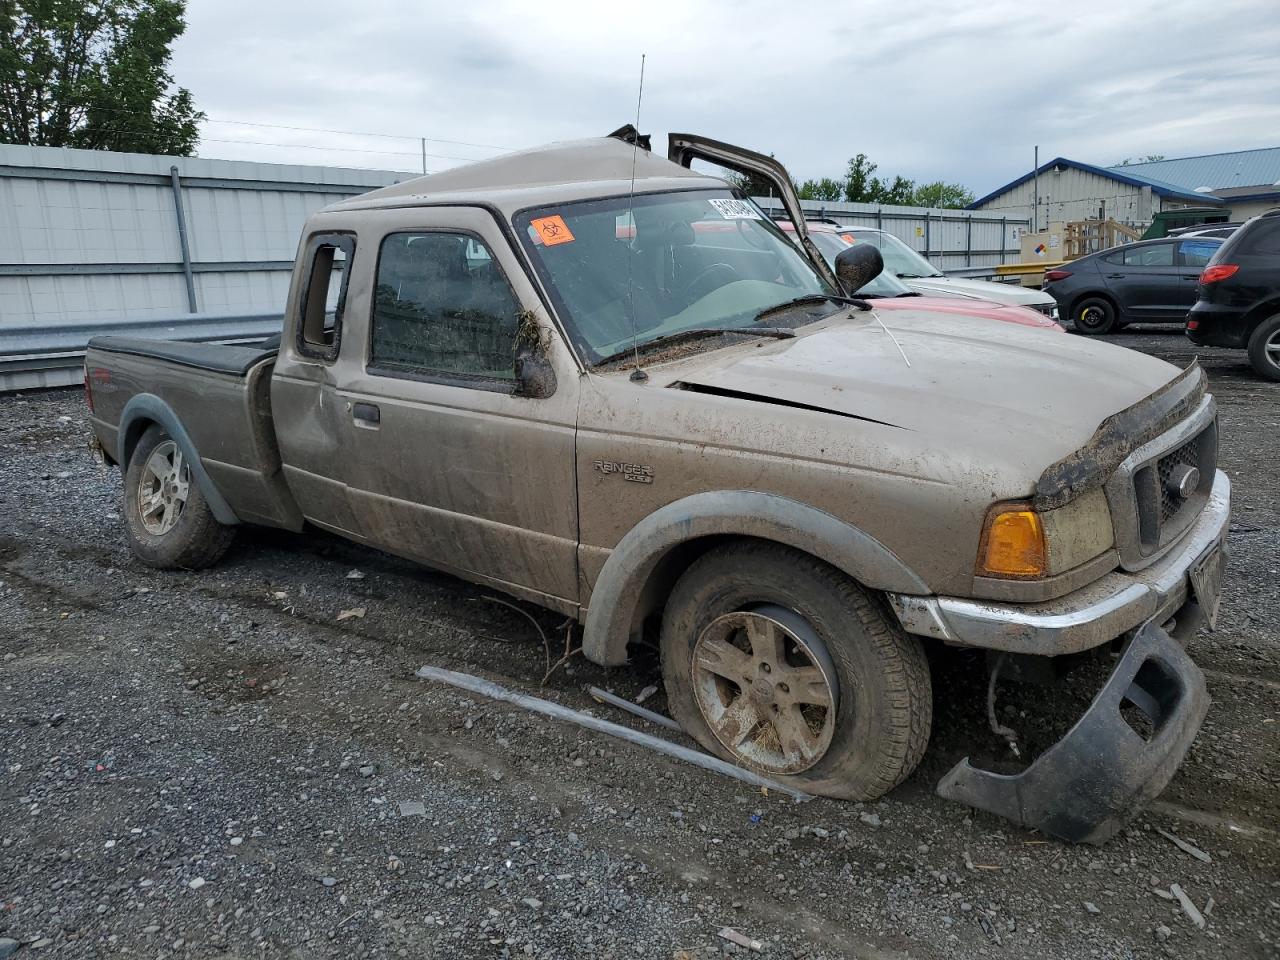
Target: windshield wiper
694,333
811,298
919,276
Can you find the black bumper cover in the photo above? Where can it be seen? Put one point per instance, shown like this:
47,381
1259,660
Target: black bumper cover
1087,785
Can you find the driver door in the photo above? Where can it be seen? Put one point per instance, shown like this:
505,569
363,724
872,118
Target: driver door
449,464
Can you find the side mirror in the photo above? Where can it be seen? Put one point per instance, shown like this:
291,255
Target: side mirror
535,377
858,265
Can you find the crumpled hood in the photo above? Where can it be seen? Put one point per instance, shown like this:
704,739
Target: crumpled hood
973,383
981,289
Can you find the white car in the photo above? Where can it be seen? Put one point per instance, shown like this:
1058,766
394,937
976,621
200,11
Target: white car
923,277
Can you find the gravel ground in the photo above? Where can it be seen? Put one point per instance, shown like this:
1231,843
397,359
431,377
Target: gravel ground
213,765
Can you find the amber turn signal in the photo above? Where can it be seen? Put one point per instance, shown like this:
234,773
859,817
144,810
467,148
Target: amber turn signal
1013,545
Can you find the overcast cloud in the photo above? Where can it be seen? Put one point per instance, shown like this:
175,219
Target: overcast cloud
951,91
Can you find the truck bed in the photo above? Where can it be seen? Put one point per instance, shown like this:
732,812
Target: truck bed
219,396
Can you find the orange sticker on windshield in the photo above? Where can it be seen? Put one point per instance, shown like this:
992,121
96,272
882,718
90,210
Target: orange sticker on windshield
553,230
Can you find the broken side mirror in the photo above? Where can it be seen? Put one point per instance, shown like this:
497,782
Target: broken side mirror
858,265
535,376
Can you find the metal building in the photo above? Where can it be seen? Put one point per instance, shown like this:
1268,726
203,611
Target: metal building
1069,190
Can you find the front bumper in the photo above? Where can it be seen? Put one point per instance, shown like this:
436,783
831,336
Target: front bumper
1084,787
1106,609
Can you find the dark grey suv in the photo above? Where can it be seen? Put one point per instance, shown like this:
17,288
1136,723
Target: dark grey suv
1152,281
1239,295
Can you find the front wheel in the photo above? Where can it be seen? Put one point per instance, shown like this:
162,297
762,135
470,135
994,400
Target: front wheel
1094,316
780,663
1264,348
167,519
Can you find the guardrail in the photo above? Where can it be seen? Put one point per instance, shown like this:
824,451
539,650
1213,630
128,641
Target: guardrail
36,357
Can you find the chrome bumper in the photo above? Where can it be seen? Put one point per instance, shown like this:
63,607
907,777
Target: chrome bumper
1105,609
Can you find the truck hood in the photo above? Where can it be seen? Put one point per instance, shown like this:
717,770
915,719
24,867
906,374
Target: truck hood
981,289
965,383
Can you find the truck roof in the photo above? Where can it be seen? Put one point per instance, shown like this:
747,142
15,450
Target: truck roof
567,170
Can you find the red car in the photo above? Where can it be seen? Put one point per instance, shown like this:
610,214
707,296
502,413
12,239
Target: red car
890,293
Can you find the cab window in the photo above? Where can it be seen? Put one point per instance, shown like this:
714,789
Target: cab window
442,308
319,324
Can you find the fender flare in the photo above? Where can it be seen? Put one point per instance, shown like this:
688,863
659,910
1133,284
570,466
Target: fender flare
144,408
744,513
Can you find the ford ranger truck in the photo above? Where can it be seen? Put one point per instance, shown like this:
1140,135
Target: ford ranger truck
594,378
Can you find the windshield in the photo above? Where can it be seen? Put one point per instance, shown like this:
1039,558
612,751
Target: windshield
682,261
885,285
899,259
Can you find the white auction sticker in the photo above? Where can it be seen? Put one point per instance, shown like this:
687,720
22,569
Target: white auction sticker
736,209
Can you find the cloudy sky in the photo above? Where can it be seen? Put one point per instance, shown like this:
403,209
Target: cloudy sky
929,90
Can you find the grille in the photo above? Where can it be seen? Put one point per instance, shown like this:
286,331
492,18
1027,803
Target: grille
1189,455
1162,514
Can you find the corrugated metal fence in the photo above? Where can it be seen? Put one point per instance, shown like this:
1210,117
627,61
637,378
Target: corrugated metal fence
94,242
949,239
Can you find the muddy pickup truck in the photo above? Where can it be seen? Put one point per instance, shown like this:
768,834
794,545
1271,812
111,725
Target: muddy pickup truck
596,379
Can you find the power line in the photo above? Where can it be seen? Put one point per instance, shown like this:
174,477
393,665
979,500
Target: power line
348,133
318,146
359,133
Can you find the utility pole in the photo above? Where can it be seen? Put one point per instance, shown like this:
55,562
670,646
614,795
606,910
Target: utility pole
424,155
1035,220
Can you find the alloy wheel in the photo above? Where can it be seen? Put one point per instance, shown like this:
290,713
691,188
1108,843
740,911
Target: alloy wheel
767,688
163,488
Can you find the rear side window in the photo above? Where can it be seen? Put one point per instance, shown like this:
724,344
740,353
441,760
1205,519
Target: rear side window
324,297
1196,253
1156,255
1262,239
442,307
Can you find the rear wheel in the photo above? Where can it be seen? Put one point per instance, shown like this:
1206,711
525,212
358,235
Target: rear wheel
778,662
166,517
1094,316
1264,348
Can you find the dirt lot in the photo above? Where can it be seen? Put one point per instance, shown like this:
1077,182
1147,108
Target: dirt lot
213,765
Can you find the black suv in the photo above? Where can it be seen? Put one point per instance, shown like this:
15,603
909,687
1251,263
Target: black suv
1238,301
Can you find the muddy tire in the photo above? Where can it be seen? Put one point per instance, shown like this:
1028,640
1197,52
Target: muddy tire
167,519
1264,348
778,662
1094,316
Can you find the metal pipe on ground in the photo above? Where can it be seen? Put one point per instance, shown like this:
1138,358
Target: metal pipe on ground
487,688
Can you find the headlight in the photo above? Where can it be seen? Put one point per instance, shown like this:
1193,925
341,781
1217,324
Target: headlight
1050,310
1020,543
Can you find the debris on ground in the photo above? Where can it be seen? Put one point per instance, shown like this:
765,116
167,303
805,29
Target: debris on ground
734,937
1184,846
355,613
1189,908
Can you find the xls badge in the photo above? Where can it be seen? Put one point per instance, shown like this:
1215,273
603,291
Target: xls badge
635,472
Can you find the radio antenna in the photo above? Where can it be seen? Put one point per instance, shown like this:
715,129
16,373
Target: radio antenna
637,375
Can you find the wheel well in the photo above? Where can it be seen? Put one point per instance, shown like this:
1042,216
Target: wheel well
137,427
657,588
1259,315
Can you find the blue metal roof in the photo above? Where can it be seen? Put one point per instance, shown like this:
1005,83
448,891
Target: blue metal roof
1127,175
1220,171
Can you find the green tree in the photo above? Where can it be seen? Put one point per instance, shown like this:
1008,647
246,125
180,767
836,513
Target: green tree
80,73
859,183
1149,158
940,194
901,191
824,189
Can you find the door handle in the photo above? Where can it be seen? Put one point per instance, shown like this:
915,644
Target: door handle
366,414
1116,276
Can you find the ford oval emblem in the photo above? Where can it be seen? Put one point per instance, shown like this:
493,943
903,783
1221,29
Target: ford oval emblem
1183,480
